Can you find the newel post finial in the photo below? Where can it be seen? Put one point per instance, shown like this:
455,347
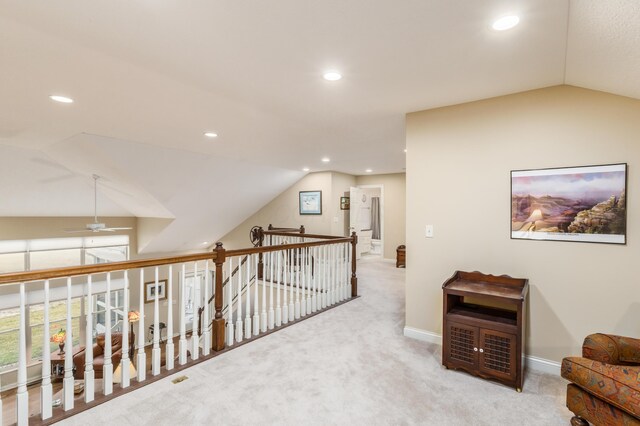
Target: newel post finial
218,323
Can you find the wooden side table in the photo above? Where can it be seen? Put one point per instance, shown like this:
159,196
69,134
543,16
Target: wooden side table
57,362
400,257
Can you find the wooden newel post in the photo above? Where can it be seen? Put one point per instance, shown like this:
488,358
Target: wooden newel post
218,325
260,244
354,278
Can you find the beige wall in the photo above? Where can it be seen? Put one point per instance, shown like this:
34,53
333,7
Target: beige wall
394,208
341,184
282,211
458,179
28,228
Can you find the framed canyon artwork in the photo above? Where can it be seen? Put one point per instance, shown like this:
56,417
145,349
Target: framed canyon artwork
584,204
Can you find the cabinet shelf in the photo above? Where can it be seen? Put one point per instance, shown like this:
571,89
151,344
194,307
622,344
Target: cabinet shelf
485,313
480,338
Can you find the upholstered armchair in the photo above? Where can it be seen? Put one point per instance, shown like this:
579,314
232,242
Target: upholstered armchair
605,381
98,355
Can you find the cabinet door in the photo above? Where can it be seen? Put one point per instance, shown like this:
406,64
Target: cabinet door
497,354
462,344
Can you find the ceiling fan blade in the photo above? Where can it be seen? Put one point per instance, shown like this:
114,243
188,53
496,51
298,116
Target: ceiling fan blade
76,230
116,229
57,179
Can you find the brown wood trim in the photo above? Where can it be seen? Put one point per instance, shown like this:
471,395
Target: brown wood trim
59,414
266,249
74,271
297,233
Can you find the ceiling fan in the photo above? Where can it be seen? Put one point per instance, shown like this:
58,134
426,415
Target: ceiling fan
96,226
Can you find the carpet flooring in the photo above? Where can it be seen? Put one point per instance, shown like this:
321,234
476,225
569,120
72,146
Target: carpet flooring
350,365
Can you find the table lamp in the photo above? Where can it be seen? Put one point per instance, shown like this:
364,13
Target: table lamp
134,316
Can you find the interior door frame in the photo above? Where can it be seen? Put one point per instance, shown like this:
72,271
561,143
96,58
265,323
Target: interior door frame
381,187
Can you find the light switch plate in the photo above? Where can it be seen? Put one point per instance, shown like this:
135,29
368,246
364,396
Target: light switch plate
428,232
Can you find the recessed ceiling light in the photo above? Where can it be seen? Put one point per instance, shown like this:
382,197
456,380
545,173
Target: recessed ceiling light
405,150
332,76
205,243
62,99
306,169
368,170
506,23
211,134
326,159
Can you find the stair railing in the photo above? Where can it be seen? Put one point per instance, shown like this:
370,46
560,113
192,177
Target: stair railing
293,276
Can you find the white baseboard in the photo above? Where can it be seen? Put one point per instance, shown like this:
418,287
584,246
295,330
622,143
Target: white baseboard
533,362
425,336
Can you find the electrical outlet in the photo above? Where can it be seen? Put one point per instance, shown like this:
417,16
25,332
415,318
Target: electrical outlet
428,232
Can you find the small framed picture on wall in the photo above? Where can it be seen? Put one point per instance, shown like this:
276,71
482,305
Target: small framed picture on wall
310,202
150,291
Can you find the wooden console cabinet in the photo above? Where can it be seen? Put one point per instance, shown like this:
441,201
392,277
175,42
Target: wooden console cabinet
484,325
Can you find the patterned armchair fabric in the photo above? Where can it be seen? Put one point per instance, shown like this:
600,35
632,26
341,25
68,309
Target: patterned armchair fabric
607,380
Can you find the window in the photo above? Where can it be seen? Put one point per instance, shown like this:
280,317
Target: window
26,255
100,312
57,322
9,323
55,258
11,262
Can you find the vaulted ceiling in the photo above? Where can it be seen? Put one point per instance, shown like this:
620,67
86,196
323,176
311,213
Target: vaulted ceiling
150,77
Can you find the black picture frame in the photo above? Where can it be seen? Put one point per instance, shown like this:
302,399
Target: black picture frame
310,202
580,204
345,203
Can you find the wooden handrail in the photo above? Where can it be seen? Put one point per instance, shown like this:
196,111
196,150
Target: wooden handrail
302,235
266,249
75,271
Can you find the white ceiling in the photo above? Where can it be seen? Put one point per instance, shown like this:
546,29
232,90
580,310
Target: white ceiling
149,77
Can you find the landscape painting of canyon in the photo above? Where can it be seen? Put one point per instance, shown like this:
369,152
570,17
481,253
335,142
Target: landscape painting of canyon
584,204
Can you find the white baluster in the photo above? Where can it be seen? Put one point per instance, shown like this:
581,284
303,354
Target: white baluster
206,350
346,271
67,382
290,254
182,343
338,273
278,278
141,363
256,316
107,368
155,351
303,281
169,348
125,379
195,338
46,390
285,306
230,334
271,310
239,331
334,267
22,395
297,271
314,282
325,277
349,270
263,314
247,319
309,260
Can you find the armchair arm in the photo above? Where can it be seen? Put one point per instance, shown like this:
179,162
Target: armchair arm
611,349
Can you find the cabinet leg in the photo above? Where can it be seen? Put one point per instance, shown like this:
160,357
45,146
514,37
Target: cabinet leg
578,421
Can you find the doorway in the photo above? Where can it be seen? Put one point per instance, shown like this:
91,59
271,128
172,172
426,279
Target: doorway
366,219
